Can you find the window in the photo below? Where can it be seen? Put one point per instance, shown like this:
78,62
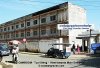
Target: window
28,33
12,27
1,30
43,32
53,31
28,23
35,22
8,28
43,20
8,36
22,34
12,35
4,36
4,29
17,26
35,32
52,18
1,37
22,25
17,35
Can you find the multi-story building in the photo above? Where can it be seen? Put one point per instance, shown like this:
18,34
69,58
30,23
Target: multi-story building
42,25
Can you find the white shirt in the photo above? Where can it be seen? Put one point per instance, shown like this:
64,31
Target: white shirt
14,51
17,49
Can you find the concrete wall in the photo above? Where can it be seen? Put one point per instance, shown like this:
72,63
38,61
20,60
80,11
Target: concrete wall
32,46
42,45
76,15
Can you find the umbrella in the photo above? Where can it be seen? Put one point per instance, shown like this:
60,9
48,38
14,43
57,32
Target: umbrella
15,42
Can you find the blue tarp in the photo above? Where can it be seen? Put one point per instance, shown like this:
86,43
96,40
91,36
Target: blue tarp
94,46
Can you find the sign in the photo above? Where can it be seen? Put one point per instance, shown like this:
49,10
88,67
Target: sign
24,39
73,26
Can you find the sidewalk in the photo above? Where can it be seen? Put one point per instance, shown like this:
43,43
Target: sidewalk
30,53
3,65
81,55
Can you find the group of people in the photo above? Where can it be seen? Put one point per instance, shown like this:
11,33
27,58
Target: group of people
74,49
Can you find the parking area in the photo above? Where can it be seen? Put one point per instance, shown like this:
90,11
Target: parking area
38,60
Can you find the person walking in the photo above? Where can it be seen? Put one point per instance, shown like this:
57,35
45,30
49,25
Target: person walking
78,49
17,48
73,48
15,51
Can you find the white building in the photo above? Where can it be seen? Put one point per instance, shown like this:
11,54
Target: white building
40,28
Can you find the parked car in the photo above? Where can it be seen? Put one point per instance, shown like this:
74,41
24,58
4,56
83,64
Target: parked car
54,53
4,49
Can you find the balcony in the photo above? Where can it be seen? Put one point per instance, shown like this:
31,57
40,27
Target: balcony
64,32
57,33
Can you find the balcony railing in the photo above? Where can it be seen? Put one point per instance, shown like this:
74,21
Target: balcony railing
47,34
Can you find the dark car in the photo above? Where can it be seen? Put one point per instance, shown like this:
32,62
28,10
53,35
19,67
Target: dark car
54,53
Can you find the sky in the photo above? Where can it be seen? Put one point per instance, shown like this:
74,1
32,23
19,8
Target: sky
12,9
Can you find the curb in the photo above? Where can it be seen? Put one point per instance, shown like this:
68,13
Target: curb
30,53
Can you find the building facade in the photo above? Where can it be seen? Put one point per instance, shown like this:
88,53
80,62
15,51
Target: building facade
88,38
42,25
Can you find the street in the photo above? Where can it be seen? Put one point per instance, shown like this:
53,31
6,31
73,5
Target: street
40,61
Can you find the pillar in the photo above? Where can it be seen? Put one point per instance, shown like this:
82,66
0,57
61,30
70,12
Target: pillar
61,41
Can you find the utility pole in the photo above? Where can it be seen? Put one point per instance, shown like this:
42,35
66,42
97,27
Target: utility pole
89,40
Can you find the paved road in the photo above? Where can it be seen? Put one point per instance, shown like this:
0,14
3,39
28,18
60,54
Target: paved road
39,61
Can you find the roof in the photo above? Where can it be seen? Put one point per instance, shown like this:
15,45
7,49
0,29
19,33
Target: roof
49,9
87,34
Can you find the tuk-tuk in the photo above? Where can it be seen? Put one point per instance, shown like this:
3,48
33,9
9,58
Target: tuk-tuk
57,52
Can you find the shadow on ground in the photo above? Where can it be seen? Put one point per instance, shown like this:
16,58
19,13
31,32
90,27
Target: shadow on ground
9,61
93,55
44,56
93,61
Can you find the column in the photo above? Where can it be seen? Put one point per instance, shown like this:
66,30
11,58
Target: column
61,41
